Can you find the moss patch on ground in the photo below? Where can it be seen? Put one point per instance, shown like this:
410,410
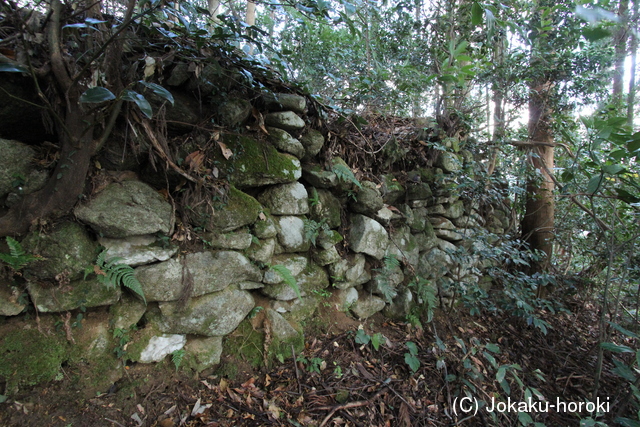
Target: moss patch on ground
28,357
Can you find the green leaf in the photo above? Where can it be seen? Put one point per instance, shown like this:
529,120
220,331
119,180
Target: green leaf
413,349
524,418
159,90
593,34
490,358
594,184
140,101
627,197
476,14
616,348
376,340
502,371
624,371
362,337
412,362
96,95
493,348
623,330
613,169
6,67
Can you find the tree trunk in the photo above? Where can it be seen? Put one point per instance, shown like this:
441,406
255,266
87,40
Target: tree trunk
538,221
633,48
620,44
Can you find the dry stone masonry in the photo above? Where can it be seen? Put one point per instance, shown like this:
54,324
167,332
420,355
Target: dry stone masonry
282,208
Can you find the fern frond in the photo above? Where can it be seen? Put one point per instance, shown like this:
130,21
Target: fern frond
345,174
118,274
391,262
17,258
287,277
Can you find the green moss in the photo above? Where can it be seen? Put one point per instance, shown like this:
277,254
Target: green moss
240,209
247,343
30,357
255,164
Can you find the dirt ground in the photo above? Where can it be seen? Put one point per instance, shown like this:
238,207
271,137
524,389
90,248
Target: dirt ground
339,380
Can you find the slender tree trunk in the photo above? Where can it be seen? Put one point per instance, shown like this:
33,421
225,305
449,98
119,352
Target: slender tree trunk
620,43
633,48
538,221
498,104
250,19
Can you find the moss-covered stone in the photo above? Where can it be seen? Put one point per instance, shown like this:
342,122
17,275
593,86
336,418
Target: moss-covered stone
29,357
79,293
234,112
239,210
67,250
255,164
318,177
392,191
325,206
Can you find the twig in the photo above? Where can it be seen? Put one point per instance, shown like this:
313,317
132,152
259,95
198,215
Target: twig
115,422
163,155
350,405
295,365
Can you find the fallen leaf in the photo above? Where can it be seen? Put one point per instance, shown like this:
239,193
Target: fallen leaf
149,67
194,160
226,152
262,216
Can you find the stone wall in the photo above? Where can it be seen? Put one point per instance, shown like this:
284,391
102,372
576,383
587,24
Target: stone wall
285,215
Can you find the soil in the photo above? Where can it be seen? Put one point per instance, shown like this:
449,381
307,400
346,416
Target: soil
338,380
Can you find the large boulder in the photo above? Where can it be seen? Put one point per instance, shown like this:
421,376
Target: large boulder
404,246
368,236
214,314
367,305
128,208
316,176
208,271
234,112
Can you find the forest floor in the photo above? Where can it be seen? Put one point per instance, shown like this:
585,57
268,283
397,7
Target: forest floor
339,381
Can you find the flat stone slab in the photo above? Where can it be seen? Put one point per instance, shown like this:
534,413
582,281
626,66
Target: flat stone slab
127,208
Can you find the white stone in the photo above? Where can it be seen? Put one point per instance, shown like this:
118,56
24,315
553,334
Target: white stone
161,346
